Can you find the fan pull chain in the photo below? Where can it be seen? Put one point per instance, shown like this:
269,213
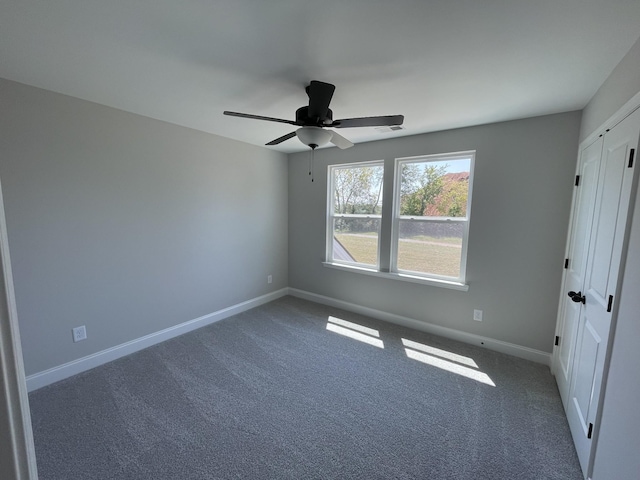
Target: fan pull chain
311,162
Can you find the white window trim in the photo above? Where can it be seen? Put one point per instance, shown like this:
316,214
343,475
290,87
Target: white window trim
331,215
395,274
395,226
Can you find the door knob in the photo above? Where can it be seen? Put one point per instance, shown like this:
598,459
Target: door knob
577,297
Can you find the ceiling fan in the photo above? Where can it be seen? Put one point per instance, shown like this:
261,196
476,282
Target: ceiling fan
313,120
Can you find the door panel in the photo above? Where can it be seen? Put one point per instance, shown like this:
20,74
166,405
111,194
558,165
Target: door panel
585,372
585,387
568,335
613,173
577,251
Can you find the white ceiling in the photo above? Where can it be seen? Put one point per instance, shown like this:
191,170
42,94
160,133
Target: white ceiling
442,63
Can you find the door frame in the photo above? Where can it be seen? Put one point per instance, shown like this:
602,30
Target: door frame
17,438
627,109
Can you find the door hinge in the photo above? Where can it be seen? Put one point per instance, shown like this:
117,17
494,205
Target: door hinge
557,342
610,303
577,180
631,154
566,263
590,432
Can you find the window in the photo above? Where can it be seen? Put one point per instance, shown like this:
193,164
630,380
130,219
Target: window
355,207
424,239
431,215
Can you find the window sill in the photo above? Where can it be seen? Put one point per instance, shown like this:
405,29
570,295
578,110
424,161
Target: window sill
399,276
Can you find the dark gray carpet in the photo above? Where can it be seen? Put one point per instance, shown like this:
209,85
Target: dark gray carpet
272,394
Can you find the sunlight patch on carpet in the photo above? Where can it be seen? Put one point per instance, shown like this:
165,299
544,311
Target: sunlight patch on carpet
355,331
445,363
454,357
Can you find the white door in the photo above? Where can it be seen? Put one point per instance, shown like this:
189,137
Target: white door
599,291
576,263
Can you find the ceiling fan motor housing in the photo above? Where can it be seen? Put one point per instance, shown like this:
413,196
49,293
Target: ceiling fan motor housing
317,116
302,118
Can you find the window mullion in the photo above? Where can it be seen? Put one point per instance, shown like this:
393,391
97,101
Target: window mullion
385,244
355,215
434,219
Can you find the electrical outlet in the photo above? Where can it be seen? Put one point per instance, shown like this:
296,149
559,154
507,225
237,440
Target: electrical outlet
269,279
477,315
79,333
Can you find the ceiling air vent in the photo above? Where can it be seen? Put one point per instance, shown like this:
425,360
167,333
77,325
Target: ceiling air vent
388,129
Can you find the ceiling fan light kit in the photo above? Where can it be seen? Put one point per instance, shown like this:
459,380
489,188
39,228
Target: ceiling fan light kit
314,136
317,116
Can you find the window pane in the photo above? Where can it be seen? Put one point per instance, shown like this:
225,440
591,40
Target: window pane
356,240
430,247
358,189
435,188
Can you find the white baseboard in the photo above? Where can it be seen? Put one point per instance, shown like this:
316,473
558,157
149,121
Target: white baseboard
537,356
55,374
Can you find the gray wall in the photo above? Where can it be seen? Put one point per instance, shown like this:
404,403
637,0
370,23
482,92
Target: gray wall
521,198
130,225
620,86
619,437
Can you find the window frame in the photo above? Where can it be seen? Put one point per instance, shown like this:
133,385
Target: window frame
390,221
396,217
331,216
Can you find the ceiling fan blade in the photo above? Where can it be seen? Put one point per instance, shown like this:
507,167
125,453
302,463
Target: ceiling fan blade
368,121
320,94
339,141
259,117
282,139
